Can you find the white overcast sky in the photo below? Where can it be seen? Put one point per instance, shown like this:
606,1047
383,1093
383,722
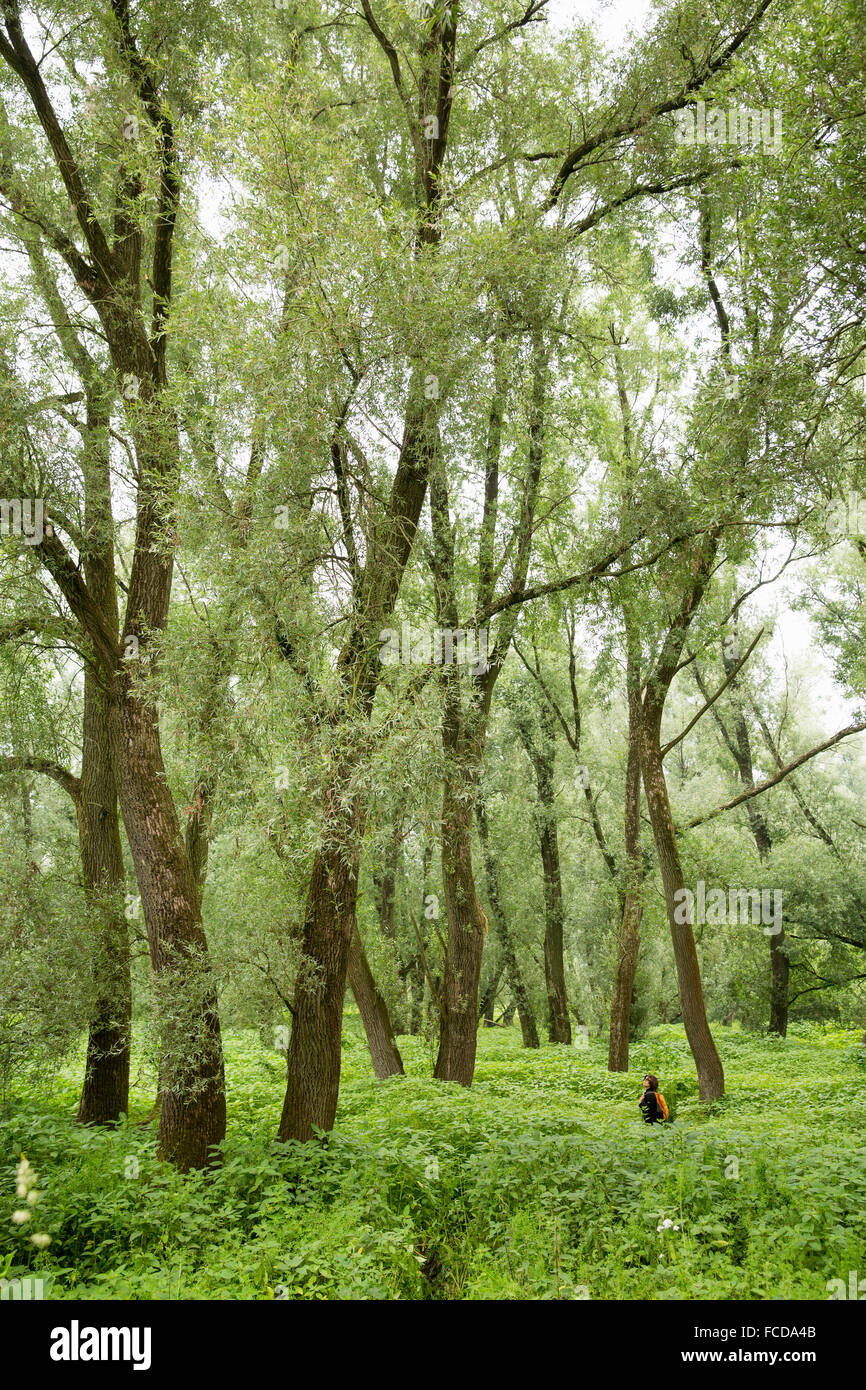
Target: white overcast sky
612,18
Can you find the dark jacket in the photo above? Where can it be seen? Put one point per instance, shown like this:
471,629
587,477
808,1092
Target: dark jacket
652,1111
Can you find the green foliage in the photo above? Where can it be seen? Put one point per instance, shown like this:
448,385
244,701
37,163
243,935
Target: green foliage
540,1182
46,949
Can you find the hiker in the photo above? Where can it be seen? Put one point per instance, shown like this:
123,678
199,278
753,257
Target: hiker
652,1102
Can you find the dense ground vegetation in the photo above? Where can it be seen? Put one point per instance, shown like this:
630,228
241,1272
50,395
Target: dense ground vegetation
540,1182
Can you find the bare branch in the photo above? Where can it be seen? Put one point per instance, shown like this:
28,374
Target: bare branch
772,781
732,674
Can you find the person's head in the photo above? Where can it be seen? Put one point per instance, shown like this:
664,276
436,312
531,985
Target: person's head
651,1083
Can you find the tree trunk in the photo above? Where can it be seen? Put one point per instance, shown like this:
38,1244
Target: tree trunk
315,1047
458,1034
779,971
197,837
384,1051
740,747
779,967
487,1003
513,973
464,723
558,1023
313,1078
711,1076
193,1108
632,911
105,1094
386,886
542,754
416,972
192,1079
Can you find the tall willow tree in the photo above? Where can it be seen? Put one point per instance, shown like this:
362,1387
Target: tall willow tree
105,214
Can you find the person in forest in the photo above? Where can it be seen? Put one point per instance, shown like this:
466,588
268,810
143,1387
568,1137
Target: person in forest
652,1102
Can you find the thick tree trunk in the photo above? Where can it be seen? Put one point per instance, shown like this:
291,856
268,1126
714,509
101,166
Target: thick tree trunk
541,751
105,1094
513,973
193,1108
192,1078
711,1076
558,1022
315,1047
458,1034
384,1051
632,911
464,724
779,971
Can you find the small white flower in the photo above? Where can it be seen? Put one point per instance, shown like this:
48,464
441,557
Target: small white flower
676,1228
32,1197
41,1241
21,1190
667,1223
25,1176
19,1217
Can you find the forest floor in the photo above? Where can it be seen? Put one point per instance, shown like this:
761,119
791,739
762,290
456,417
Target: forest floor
540,1182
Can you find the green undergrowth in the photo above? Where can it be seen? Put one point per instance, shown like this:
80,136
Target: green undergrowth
540,1182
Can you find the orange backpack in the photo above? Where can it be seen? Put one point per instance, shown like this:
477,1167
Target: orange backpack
663,1105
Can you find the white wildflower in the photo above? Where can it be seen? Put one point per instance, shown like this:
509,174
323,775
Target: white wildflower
26,1175
41,1241
19,1217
